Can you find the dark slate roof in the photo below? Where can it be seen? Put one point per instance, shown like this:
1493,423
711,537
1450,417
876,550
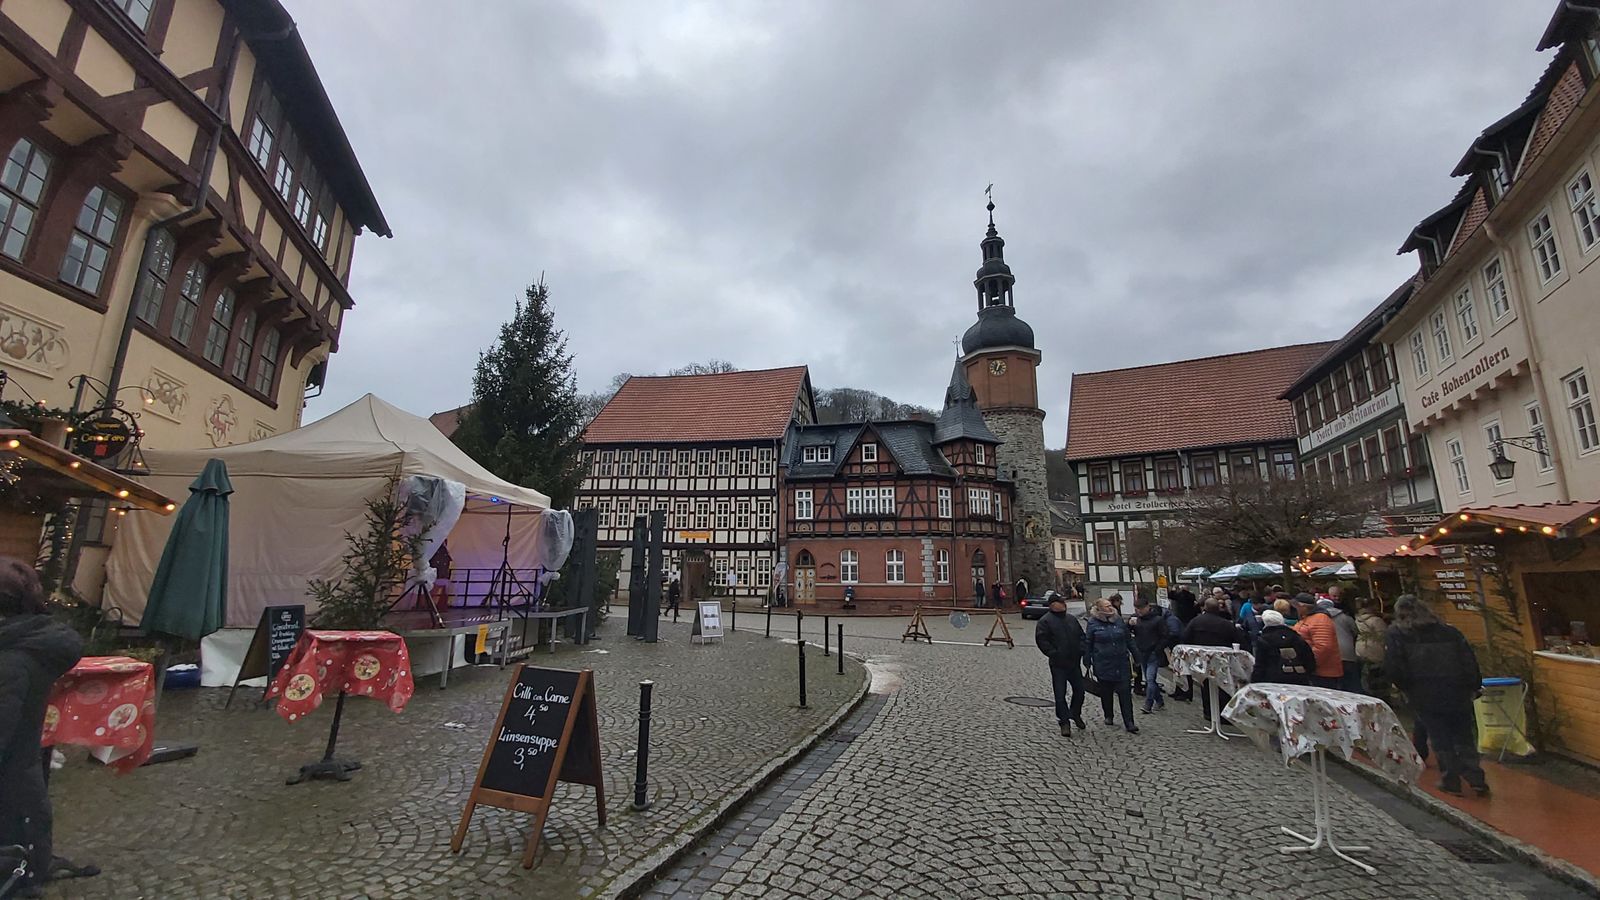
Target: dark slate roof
997,326
1354,340
1065,518
960,419
908,443
911,444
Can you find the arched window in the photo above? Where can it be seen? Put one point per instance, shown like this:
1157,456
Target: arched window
21,185
153,286
221,324
245,343
805,559
194,284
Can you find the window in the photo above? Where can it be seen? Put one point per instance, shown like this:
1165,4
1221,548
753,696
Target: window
825,454
1458,463
1580,407
90,245
1467,316
886,504
1302,413
94,526
685,464
1325,469
1341,389
1241,465
267,365
1585,210
283,180
625,463
1205,469
764,514
944,503
1492,436
1378,367
194,284
1341,471
1100,481
745,462
1283,464
978,502
1167,477
724,514
302,208
802,504
663,463
1325,395
680,514
1105,546
978,450
21,185
849,567
217,329
724,459
1419,355
1440,325
719,565
604,466
702,514
1133,478
741,514
869,452
1536,430
137,10
741,570
261,142
1494,284
999,512
894,567
852,501
1542,239
764,461
764,572
1373,452
808,454
604,509
1358,379
869,501
702,463
319,232
1358,463
941,566
1394,450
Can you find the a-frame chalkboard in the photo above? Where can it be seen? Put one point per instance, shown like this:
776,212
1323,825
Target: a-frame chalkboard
548,731
275,637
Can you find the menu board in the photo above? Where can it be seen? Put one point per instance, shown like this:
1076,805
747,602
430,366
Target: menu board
276,634
1459,579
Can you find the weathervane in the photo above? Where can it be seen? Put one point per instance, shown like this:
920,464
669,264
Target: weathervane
988,193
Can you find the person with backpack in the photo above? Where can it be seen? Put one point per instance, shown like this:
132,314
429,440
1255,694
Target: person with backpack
1151,638
1282,655
1434,666
1060,638
1249,617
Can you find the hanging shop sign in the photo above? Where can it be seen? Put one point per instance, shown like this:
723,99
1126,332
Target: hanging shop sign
104,435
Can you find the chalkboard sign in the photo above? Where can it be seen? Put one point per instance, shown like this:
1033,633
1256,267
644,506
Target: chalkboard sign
276,634
548,730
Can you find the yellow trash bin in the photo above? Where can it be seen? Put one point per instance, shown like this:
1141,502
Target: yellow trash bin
1503,718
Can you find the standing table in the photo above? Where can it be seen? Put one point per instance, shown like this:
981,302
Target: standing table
105,702
1223,668
365,663
1310,721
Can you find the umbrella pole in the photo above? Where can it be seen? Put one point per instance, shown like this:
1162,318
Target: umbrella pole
165,752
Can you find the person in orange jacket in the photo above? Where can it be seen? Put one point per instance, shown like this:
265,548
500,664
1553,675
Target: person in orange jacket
1319,631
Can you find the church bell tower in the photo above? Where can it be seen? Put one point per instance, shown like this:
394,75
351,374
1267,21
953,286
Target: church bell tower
1001,363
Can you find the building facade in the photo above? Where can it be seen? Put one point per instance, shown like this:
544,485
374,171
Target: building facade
1066,539
704,449
1498,348
899,512
1001,364
1139,439
1352,421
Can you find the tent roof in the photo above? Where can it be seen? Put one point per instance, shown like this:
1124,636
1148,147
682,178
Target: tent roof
369,438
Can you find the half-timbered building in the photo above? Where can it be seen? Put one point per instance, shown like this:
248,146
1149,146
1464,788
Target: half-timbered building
1138,439
901,512
704,449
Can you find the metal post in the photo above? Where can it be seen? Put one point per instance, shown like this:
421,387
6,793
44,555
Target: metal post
641,768
769,620
825,630
733,625
802,646
841,648
798,616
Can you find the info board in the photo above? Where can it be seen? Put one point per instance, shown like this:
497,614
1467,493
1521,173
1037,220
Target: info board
707,622
548,731
276,634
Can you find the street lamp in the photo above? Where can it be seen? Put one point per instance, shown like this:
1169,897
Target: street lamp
1503,467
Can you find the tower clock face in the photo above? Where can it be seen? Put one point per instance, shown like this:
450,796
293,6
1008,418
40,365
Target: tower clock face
997,367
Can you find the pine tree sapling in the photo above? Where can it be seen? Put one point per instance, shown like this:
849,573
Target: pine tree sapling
525,423
378,559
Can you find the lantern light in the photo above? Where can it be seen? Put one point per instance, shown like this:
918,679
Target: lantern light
123,494
1444,530
13,443
171,507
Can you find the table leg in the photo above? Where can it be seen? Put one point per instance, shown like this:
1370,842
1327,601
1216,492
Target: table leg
1323,819
328,767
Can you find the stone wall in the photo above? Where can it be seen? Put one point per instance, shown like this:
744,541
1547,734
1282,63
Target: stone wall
1023,450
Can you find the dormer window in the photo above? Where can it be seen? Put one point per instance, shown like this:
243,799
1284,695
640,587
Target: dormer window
808,454
869,452
1500,178
824,454
816,453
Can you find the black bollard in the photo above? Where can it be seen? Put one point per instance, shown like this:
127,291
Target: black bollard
769,620
733,624
641,768
825,635
798,616
802,646
841,648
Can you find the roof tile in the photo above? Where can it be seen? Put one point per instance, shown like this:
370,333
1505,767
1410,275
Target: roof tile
730,406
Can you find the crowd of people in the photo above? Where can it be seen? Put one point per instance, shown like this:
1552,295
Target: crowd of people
1332,641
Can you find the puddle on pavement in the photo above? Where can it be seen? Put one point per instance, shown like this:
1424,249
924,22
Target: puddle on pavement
885,672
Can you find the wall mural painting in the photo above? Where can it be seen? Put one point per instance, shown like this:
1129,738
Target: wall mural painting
221,421
169,395
261,431
31,344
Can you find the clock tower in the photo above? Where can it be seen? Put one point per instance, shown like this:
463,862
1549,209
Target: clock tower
1001,363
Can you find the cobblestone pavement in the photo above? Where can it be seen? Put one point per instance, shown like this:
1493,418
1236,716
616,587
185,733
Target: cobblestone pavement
224,824
942,789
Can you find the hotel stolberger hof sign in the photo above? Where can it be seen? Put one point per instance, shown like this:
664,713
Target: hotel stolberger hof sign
1358,415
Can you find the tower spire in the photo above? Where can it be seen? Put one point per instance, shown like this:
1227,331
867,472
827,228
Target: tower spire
994,279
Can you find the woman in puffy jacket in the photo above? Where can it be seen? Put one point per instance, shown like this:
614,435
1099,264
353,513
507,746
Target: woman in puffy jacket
1107,648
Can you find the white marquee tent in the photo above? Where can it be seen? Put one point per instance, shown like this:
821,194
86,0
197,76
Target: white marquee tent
297,494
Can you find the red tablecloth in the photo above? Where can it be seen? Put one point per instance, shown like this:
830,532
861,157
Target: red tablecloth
363,663
105,701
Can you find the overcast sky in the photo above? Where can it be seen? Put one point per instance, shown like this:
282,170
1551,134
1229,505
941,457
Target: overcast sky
783,183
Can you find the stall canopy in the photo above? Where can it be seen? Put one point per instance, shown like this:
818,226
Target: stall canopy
1570,519
297,494
1366,548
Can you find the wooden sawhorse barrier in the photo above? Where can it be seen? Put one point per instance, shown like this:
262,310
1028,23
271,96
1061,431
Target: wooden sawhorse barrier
999,632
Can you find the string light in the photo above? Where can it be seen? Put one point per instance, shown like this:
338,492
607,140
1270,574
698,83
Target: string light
1499,530
171,507
1465,517
1548,530
13,443
1444,531
123,494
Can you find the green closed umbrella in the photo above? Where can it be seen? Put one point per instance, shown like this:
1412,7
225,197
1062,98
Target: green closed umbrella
190,591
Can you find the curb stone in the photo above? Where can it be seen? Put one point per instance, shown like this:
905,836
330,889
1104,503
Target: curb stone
636,880
1553,866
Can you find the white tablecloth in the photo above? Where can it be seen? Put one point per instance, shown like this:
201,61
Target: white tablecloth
1229,667
1305,718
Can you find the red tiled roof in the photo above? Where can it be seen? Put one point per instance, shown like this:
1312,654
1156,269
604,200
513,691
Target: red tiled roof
448,421
730,406
1210,402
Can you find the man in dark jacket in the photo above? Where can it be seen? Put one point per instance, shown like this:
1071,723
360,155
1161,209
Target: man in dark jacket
1436,668
1282,655
1060,639
1150,641
1212,628
1183,605
35,650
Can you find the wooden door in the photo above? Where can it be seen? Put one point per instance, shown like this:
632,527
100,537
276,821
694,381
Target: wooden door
805,584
